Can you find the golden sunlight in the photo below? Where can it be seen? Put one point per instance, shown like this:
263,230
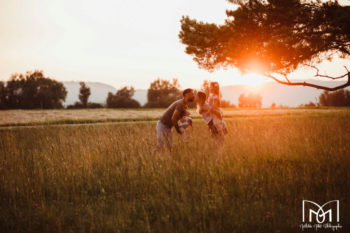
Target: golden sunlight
253,80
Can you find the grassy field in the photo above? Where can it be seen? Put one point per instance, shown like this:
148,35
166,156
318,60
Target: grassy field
106,178
105,115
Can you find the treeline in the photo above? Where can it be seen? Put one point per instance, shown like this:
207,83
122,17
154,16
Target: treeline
340,98
250,101
35,91
31,90
160,94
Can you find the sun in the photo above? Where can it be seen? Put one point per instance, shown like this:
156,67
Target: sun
253,80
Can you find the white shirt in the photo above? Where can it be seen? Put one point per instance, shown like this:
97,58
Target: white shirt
207,116
187,122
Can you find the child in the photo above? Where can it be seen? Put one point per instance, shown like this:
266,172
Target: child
211,116
214,104
185,122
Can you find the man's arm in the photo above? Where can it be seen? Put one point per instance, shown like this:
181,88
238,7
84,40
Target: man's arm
174,119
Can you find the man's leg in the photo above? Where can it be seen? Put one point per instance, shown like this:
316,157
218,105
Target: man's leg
168,138
164,136
160,141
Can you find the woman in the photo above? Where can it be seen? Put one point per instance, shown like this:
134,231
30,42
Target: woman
214,104
204,109
212,117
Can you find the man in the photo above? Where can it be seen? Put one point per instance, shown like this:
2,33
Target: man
171,117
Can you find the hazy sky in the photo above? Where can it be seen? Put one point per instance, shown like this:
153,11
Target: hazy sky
118,42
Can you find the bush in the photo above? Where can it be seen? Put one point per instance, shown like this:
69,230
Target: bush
76,105
121,102
79,105
162,93
94,105
310,104
122,99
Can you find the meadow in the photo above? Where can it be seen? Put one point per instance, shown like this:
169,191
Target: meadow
103,115
107,178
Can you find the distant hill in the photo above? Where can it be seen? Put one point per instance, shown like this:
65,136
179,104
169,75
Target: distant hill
99,91
291,96
271,92
141,96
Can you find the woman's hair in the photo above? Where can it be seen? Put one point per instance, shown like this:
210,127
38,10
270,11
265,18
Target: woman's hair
214,88
201,96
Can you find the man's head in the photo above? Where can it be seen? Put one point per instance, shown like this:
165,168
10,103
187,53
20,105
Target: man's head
188,95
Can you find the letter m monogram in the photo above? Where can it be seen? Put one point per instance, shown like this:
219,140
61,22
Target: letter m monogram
319,211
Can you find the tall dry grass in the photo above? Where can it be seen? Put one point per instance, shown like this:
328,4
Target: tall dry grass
106,178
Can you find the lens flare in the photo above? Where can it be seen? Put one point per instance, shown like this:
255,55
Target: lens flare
253,80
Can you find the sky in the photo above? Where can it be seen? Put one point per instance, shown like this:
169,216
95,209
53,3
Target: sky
116,42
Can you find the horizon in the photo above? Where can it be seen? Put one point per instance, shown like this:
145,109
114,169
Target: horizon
253,88
269,91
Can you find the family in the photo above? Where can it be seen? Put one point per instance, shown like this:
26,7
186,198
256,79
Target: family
178,117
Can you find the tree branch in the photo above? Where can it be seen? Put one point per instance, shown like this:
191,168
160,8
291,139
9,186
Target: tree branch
347,84
286,77
326,76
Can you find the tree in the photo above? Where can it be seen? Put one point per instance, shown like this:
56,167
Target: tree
226,104
122,99
272,37
127,92
205,87
337,98
310,104
84,93
2,95
249,101
162,93
34,90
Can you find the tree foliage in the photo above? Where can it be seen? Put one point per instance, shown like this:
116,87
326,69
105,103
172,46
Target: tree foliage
272,37
32,90
3,95
162,93
122,99
337,98
84,93
127,92
226,104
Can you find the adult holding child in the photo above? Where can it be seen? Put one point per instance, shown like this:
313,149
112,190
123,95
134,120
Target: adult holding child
170,118
212,114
